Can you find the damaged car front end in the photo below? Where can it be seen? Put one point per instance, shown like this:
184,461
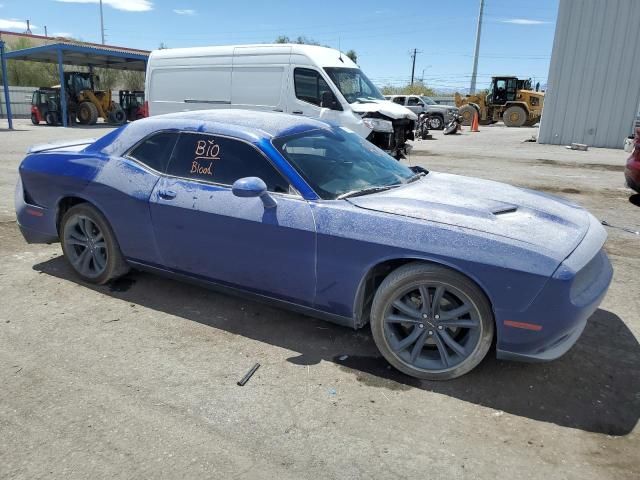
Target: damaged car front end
391,125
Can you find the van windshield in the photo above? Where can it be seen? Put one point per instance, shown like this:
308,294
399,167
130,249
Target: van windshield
353,84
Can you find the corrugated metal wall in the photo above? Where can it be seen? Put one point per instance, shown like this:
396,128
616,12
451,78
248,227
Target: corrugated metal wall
593,87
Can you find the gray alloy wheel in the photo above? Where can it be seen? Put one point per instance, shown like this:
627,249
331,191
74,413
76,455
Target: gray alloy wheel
436,122
431,322
89,245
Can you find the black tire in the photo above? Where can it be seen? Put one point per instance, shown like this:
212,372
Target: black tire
514,116
51,118
436,122
34,119
454,340
466,113
100,241
117,114
87,113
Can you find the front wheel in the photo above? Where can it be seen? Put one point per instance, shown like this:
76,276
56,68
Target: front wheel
436,122
431,322
514,116
90,246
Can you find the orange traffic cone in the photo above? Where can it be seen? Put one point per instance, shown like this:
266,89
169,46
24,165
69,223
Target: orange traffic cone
474,123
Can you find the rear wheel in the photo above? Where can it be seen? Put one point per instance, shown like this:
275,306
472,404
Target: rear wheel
87,113
514,116
34,119
467,112
90,246
431,322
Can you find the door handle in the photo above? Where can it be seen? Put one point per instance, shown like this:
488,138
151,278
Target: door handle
277,110
298,112
167,194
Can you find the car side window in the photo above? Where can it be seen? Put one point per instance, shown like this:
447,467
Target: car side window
222,160
155,150
310,86
399,100
413,101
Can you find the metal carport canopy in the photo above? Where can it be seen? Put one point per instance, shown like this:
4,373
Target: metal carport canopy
77,55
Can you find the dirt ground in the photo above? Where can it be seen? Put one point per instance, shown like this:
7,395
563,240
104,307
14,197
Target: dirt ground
138,379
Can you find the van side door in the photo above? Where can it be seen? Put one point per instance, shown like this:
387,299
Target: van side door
259,77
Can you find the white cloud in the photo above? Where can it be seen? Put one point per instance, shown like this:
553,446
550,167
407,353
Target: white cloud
62,34
126,5
523,21
13,24
185,11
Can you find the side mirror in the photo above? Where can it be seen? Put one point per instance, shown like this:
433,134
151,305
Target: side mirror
253,187
328,100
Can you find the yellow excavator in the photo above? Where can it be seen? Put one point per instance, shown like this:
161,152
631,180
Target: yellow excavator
510,99
87,104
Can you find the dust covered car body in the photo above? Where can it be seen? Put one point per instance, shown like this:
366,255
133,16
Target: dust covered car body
314,217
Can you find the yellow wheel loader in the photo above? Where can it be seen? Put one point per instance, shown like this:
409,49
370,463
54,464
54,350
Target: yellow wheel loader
510,99
87,104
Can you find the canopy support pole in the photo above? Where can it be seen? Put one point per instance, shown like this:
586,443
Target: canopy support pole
63,90
5,85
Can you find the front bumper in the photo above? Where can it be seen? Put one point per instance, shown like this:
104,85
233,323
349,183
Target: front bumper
555,319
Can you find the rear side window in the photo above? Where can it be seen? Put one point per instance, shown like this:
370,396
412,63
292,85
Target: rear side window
309,85
399,100
222,160
155,151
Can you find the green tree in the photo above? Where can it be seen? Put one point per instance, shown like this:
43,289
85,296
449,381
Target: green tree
30,74
304,40
418,88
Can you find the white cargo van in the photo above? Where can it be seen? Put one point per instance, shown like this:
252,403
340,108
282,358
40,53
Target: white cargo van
305,80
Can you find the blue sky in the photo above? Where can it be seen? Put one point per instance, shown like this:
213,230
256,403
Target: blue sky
517,35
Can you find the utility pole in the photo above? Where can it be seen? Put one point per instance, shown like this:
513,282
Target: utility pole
472,88
101,23
413,63
45,31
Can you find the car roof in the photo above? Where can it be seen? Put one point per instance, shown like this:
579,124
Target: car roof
248,125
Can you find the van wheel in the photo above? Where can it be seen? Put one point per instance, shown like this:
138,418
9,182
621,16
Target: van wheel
90,246
431,322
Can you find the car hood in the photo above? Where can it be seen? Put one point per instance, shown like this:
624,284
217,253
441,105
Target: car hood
548,222
385,107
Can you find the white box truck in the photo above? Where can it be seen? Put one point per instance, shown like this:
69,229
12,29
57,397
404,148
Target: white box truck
308,80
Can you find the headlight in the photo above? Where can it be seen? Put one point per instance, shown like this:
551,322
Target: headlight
378,125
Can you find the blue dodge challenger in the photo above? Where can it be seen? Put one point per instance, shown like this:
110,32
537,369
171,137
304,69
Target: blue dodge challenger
317,219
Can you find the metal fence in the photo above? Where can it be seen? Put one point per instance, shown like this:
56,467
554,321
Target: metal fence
20,98
21,101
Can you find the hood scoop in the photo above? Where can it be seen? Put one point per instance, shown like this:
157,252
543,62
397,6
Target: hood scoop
504,210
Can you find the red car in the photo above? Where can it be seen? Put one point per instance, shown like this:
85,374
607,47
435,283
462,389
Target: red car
632,172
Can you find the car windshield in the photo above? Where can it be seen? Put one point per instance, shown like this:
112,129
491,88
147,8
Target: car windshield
428,100
353,84
338,163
